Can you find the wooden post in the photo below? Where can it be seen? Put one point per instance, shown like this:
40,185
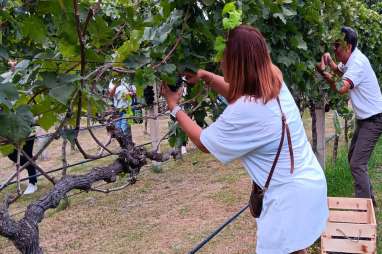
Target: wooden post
154,127
312,111
154,123
346,132
321,144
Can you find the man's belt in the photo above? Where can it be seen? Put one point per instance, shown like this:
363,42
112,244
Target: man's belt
373,117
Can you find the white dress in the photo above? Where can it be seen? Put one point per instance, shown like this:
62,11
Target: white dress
295,206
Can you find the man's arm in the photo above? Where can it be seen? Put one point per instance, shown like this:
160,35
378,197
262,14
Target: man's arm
345,85
112,90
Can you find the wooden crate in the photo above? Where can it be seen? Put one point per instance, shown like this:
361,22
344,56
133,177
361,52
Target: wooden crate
351,227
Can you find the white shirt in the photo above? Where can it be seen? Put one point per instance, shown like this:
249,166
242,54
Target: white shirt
295,206
366,95
119,98
130,87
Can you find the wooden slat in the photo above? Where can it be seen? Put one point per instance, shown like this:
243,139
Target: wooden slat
350,230
348,203
371,213
348,216
347,246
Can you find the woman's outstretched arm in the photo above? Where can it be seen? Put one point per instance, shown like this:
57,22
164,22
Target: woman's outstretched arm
213,80
190,127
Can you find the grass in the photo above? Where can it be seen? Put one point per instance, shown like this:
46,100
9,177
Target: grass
338,176
224,196
340,181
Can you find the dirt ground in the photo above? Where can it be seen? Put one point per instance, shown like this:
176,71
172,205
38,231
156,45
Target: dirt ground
167,212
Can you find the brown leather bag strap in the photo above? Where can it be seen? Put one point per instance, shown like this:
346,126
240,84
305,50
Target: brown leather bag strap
284,128
290,148
289,138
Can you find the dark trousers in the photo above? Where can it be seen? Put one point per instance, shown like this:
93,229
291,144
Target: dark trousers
362,144
28,149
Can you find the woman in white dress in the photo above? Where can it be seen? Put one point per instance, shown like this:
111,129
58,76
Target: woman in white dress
295,208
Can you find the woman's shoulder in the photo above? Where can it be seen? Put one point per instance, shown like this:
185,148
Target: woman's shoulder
247,110
247,106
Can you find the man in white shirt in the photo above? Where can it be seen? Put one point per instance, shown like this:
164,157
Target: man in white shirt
360,81
119,92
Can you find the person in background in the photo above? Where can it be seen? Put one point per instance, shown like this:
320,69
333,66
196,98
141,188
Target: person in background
137,111
119,92
295,210
132,92
28,149
41,140
361,83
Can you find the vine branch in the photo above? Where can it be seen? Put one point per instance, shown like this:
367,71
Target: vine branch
25,232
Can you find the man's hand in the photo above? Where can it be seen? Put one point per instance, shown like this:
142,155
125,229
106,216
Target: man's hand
319,68
327,76
327,58
330,62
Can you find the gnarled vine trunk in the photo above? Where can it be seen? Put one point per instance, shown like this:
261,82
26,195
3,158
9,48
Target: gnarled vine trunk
25,233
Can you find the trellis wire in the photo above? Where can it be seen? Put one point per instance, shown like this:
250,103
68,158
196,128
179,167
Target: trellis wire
69,166
94,126
75,164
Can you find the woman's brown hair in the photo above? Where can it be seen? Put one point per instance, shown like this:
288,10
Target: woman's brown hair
248,67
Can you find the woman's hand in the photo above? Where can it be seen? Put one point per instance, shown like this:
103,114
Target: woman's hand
172,98
192,77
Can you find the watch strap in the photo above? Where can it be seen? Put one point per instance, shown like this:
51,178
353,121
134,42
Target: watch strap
174,111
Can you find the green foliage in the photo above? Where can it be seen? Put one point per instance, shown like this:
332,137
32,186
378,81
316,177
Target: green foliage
137,35
144,76
219,48
129,46
33,28
177,137
6,149
8,94
234,16
16,126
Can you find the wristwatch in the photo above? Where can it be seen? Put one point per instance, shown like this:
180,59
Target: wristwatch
174,111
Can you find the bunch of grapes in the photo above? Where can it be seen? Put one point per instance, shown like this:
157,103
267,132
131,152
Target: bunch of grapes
148,94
